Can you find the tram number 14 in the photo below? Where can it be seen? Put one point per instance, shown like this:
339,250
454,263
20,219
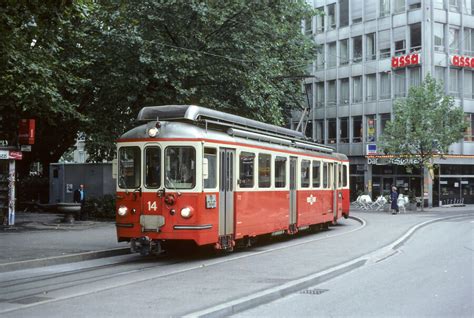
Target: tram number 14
152,206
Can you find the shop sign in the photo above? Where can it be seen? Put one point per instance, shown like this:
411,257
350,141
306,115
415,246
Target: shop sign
393,161
405,60
26,133
9,154
464,182
462,61
371,149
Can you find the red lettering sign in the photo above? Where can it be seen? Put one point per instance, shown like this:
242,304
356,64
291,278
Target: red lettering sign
462,61
16,155
405,60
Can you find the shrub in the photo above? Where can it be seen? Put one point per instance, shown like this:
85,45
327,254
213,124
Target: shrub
101,208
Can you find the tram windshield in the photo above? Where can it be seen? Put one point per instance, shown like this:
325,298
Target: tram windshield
129,167
180,167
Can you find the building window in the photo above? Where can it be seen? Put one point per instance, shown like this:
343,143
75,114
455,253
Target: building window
468,41
415,37
384,44
357,49
344,52
468,85
371,128
398,6
343,13
308,29
320,21
309,94
332,16
399,37
384,119
371,52
332,131
384,8
320,94
453,40
454,82
439,4
332,93
469,133
385,86
414,4
370,10
357,129
400,83
454,5
415,76
344,95
439,37
320,57
371,86
332,55
356,11
357,89
320,131
439,74
344,129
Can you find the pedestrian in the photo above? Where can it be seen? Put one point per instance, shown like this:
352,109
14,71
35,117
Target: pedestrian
80,197
394,199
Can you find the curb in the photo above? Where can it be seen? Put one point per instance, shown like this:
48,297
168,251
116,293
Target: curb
57,260
266,296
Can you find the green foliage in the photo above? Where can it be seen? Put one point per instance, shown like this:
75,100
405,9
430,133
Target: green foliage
425,123
101,208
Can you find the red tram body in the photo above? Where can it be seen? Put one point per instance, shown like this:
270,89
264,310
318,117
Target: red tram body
191,173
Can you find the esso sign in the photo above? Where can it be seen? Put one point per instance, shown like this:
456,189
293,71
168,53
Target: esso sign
462,61
405,60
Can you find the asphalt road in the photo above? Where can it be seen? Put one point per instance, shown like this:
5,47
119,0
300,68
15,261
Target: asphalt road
431,275
198,283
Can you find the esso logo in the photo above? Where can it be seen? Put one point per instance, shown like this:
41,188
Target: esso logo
462,61
405,60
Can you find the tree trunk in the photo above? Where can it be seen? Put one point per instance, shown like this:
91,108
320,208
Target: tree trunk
422,201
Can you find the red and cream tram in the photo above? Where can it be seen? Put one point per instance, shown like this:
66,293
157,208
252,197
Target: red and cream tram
192,173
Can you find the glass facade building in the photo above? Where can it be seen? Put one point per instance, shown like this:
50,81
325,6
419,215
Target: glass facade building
370,52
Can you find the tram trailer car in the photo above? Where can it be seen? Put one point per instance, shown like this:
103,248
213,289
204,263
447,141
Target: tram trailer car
196,174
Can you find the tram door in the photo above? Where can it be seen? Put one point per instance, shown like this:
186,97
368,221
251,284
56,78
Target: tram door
337,193
293,206
226,191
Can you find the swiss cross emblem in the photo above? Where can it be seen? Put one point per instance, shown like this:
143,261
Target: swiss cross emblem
311,199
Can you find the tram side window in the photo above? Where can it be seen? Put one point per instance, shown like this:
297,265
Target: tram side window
344,175
246,169
180,167
264,170
316,174
210,168
305,173
129,167
280,172
152,167
325,175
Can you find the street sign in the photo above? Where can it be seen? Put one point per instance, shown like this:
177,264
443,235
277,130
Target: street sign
26,148
3,143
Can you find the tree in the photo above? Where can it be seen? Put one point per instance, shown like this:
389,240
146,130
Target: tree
225,55
425,124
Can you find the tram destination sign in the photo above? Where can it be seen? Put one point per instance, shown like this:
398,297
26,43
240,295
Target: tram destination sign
400,161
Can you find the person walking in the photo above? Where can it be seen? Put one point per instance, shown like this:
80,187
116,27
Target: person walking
80,197
394,199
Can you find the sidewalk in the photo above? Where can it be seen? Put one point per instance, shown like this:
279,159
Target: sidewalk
39,239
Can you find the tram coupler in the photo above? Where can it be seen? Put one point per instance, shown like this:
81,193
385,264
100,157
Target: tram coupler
226,243
146,246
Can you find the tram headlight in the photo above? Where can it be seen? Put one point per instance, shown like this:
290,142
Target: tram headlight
122,210
153,132
186,212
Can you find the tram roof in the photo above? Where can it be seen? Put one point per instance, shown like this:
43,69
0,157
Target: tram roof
200,114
